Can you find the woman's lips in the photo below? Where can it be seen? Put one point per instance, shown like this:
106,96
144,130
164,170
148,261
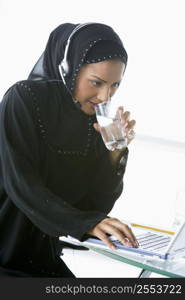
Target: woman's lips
93,104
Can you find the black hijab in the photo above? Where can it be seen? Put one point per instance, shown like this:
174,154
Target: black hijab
80,51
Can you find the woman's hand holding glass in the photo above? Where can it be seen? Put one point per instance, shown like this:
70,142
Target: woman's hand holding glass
128,125
116,132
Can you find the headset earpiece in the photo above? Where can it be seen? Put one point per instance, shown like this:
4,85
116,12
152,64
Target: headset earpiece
64,64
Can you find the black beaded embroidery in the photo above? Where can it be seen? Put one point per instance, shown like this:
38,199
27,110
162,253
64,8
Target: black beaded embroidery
82,61
42,129
104,58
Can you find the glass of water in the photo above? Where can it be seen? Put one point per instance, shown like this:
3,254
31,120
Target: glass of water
112,130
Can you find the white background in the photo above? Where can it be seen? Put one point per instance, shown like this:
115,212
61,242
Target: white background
153,89
153,33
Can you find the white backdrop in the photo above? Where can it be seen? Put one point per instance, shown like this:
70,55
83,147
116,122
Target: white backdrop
153,33
153,88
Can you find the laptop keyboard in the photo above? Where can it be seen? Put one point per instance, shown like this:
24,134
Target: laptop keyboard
150,241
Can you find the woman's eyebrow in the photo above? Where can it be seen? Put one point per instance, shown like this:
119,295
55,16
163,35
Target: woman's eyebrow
98,78
103,80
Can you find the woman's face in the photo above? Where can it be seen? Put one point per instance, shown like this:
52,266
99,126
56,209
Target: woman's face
97,83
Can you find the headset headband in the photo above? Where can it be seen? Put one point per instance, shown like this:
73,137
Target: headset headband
64,66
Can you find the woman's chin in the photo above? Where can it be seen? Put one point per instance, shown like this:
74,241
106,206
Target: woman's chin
88,109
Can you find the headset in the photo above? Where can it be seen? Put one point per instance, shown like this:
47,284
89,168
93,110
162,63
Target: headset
64,65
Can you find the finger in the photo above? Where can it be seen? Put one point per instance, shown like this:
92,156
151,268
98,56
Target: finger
120,109
129,234
119,112
130,135
97,127
104,238
130,125
125,229
114,227
124,117
120,236
129,131
107,227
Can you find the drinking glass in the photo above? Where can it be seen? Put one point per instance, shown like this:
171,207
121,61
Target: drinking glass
112,130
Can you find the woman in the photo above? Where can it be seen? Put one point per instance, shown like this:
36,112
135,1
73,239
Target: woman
56,176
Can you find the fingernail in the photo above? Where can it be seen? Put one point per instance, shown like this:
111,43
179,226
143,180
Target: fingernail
136,244
128,244
133,244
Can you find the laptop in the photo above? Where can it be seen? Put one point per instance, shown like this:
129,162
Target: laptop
153,242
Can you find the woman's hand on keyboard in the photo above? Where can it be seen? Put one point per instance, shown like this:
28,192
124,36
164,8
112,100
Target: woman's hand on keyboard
113,226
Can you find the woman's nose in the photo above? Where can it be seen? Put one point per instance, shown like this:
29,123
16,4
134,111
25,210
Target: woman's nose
104,95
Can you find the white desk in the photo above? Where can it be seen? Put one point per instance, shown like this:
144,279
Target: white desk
90,264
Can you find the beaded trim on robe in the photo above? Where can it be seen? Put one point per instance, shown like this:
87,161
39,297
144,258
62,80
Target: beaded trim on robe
43,133
92,43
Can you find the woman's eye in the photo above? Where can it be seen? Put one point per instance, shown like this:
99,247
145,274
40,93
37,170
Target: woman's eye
95,83
116,84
